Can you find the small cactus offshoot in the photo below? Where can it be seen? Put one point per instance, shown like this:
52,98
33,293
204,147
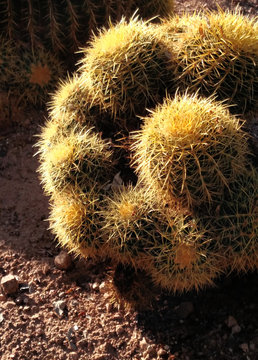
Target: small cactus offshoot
73,104
79,160
75,222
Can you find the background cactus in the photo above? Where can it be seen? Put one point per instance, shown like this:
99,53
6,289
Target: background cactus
28,76
10,62
63,26
36,77
217,52
190,149
127,68
10,111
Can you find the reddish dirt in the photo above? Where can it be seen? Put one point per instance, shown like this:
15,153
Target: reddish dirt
217,323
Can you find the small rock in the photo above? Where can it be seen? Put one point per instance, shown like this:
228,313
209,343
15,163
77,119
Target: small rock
9,284
255,341
244,347
2,297
109,307
120,329
151,352
63,261
143,344
1,317
231,321
59,307
235,329
73,356
252,346
95,286
70,335
24,288
75,302
162,353
184,309
102,286
9,304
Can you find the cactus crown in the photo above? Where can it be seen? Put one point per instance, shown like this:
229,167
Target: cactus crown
189,148
127,67
217,53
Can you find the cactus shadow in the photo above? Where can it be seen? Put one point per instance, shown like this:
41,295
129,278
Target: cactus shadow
189,321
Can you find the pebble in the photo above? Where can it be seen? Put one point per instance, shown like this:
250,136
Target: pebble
244,347
231,321
1,317
151,351
109,307
143,343
184,309
162,352
9,304
119,329
75,303
252,346
63,261
235,329
9,284
59,307
73,356
102,286
95,286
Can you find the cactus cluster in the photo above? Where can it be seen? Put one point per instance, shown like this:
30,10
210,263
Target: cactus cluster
190,212
28,76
